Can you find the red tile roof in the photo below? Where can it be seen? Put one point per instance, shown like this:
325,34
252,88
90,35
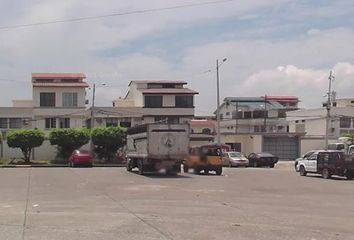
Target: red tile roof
58,76
81,84
168,91
157,82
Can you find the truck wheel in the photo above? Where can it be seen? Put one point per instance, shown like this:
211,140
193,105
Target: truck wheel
326,173
129,166
140,167
302,171
185,168
218,171
350,175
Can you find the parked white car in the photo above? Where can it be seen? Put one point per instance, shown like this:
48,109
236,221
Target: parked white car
234,159
306,156
327,163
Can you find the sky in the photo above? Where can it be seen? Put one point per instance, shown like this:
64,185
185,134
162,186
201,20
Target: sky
273,47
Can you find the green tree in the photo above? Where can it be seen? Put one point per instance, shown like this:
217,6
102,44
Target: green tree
108,140
26,140
68,140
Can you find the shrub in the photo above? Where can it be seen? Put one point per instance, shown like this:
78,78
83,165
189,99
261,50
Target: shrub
68,140
26,140
108,140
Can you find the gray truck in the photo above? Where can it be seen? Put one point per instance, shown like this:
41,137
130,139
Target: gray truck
157,147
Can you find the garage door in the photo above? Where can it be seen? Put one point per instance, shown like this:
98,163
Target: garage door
282,147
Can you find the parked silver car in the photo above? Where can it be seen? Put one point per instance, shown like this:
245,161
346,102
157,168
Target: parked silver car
306,156
234,159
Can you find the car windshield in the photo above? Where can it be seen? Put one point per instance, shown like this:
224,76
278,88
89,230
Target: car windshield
235,154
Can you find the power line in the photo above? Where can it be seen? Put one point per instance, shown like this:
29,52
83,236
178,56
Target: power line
80,19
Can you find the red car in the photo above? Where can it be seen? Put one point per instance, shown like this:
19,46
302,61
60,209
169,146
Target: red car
80,157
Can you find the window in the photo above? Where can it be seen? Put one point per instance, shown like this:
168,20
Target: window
247,115
206,131
345,122
111,122
125,124
15,122
282,113
47,99
259,114
153,101
64,122
3,123
184,101
165,119
228,114
69,99
50,123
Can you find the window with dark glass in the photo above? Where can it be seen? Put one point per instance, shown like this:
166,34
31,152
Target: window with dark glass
184,101
259,114
206,131
247,115
112,122
47,99
15,123
64,122
153,101
345,122
50,123
3,123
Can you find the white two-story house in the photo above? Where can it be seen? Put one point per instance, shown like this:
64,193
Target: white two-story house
58,100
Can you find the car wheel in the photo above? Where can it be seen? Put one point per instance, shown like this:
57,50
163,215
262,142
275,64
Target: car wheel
302,171
349,175
129,166
196,170
272,165
218,171
185,168
326,174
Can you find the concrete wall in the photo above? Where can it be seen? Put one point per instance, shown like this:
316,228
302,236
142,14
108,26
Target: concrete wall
249,143
308,144
45,152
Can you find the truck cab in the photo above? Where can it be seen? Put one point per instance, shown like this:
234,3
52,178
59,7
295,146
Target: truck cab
327,163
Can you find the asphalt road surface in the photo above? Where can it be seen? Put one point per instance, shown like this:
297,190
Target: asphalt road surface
110,203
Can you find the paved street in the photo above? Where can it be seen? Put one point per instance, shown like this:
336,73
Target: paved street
110,203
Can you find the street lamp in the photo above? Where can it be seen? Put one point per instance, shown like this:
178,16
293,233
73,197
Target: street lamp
218,98
93,103
93,111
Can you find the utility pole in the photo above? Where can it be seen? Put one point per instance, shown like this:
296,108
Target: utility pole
218,102
328,107
236,118
218,99
93,106
265,114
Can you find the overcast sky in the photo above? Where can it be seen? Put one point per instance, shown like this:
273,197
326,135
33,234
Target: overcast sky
273,47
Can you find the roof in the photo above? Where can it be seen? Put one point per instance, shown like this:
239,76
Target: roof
168,91
157,82
58,75
56,84
282,98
